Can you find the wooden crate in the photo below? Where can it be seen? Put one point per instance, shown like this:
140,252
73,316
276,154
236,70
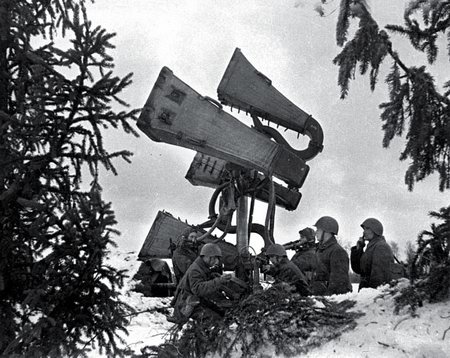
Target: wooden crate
165,228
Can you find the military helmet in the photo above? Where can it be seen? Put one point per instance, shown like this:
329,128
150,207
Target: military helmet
276,250
210,249
328,224
309,234
374,225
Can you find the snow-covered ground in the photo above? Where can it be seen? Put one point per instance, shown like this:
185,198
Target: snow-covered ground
379,333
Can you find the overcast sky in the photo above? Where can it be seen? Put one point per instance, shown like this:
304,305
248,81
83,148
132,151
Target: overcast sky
352,179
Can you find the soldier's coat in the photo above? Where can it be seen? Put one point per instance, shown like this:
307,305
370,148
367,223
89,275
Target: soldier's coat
183,256
373,264
306,261
200,285
332,270
288,272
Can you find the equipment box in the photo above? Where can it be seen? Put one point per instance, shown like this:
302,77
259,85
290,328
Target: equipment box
166,229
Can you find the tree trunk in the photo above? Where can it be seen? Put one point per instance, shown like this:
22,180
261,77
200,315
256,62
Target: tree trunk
4,42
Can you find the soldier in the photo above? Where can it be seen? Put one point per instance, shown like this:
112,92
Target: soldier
305,256
199,294
283,270
373,264
185,253
153,278
333,264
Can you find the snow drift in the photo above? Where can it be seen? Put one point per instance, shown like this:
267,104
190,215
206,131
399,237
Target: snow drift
379,332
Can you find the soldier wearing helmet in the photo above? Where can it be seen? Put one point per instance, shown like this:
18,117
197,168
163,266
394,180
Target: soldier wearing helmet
185,252
333,264
305,255
199,294
285,271
374,263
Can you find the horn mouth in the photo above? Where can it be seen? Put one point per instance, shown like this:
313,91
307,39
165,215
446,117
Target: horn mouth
245,88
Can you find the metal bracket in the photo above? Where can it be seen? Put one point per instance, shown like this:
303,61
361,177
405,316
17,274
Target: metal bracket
166,116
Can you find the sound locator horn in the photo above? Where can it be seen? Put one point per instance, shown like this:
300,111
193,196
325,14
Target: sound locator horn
176,114
244,87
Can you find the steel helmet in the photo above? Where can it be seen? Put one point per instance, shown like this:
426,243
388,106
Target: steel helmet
328,224
309,234
374,225
210,249
276,250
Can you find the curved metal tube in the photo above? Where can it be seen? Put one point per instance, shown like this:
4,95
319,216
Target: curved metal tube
232,229
227,227
244,87
312,129
211,229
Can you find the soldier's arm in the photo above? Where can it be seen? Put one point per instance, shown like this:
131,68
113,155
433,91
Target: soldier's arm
201,287
381,266
339,279
355,258
302,286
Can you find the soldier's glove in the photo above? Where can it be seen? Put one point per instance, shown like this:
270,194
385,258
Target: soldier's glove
360,243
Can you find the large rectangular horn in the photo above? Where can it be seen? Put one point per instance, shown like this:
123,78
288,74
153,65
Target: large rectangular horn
174,113
166,228
212,172
244,87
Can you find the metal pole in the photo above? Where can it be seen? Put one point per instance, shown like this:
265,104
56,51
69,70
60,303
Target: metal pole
242,225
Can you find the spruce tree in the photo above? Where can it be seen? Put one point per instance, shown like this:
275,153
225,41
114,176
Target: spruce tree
395,248
432,258
410,251
418,108
58,297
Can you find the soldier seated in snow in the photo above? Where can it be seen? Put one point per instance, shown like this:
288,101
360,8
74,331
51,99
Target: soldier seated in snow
199,294
154,278
185,252
285,271
375,263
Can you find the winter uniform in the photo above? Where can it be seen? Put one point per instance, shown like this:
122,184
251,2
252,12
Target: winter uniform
151,272
374,264
183,256
305,256
199,293
332,271
306,260
287,271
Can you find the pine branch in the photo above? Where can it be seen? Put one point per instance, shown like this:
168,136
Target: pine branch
343,22
46,212
413,94
290,323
